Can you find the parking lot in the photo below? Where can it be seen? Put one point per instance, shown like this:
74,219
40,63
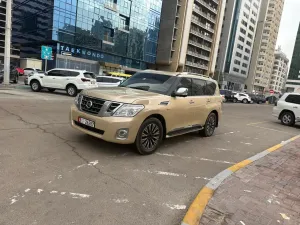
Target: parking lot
53,174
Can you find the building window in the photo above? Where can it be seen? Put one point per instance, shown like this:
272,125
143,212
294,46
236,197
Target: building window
240,46
241,39
244,23
247,50
244,65
237,62
236,69
238,55
250,36
247,6
243,31
251,28
253,21
248,43
246,58
243,72
246,15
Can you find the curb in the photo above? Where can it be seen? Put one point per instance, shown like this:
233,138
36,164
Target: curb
195,211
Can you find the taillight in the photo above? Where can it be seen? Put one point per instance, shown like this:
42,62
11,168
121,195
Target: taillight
85,80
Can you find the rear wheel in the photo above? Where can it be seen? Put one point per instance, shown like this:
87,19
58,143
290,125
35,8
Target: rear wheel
288,119
35,85
16,79
210,125
71,90
245,101
51,89
149,137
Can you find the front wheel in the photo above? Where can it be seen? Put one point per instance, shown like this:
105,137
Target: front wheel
149,137
35,86
288,119
245,101
71,90
235,100
16,79
210,125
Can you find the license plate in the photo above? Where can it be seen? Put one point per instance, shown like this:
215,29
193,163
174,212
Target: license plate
86,122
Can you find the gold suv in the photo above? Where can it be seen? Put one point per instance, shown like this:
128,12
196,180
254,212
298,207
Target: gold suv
148,107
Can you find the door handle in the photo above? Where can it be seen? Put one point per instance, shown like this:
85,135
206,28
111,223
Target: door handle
295,107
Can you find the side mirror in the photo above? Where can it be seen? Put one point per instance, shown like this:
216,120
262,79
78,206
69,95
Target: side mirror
181,92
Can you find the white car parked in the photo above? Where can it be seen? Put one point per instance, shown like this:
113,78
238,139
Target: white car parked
241,97
105,81
28,71
287,109
72,81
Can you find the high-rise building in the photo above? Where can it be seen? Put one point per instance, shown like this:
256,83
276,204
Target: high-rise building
14,50
96,35
264,46
189,35
293,82
279,72
237,39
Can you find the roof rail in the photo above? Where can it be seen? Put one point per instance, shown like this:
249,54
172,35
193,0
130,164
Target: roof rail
196,74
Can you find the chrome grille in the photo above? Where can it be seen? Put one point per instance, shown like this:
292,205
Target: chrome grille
91,105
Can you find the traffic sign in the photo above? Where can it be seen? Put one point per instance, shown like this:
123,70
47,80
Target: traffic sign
46,53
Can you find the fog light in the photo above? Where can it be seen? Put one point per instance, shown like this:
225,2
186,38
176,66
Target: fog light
122,134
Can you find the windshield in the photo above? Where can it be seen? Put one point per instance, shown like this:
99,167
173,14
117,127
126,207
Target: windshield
158,83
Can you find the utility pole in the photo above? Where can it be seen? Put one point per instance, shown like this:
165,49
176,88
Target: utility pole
7,42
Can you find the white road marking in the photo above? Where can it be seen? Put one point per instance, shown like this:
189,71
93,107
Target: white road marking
175,206
125,200
284,216
27,190
246,143
77,195
62,193
247,191
13,201
59,176
204,178
197,158
39,191
169,174
93,163
242,222
53,192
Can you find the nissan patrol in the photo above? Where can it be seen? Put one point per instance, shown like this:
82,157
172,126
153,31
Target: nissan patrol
148,107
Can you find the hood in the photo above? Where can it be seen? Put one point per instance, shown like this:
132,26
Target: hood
121,94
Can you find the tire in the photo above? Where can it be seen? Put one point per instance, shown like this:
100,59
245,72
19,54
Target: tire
35,86
288,119
149,137
260,102
210,125
245,101
51,89
71,90
235,100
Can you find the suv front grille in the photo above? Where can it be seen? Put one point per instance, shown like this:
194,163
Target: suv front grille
91,105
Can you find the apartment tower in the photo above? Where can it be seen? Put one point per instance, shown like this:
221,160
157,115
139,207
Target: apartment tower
189,35
280,72
237,40
293,82
264,46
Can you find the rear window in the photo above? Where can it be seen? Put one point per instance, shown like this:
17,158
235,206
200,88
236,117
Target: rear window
295,99
89,75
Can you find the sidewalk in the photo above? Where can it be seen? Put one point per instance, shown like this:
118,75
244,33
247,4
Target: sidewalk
266,192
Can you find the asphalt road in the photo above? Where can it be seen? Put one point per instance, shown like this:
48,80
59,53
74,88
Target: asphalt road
53,174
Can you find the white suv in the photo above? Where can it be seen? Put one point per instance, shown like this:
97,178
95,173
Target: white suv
72,81
287,109
241,97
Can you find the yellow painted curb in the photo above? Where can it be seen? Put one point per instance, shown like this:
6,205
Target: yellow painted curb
196,210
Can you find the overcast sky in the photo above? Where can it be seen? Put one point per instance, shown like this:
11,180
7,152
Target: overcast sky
289,26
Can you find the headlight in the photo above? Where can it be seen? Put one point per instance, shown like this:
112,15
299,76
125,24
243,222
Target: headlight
77,100
128,110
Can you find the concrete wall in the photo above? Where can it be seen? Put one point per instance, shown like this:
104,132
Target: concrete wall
31,63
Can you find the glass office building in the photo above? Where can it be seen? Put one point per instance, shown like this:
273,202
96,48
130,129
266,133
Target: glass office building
117,33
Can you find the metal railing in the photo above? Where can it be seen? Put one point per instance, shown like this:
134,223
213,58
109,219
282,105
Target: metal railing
207,6
195,54
197,33
202,25
199,45
196,65
205,15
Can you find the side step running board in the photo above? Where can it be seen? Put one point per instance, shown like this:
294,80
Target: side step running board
178,132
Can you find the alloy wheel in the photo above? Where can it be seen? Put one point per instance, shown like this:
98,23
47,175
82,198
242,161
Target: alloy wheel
211,124
35,86
287,119
150,136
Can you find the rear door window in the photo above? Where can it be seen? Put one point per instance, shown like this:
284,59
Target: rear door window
73,73
107,80
89,75
210,88
99,79
198,87
114,80
295,99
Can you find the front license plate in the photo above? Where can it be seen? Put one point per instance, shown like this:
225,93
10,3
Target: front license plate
86,122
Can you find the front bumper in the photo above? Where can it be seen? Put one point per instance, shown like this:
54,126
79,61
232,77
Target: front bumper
86,86
106,127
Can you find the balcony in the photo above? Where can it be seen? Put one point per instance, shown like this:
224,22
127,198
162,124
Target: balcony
207,6
110,5
196,65
198,34
197,55
195,21
205,15
108,40
194,43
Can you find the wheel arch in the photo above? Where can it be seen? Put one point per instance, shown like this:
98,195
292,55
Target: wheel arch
71,84
35,79
162,120
284,111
